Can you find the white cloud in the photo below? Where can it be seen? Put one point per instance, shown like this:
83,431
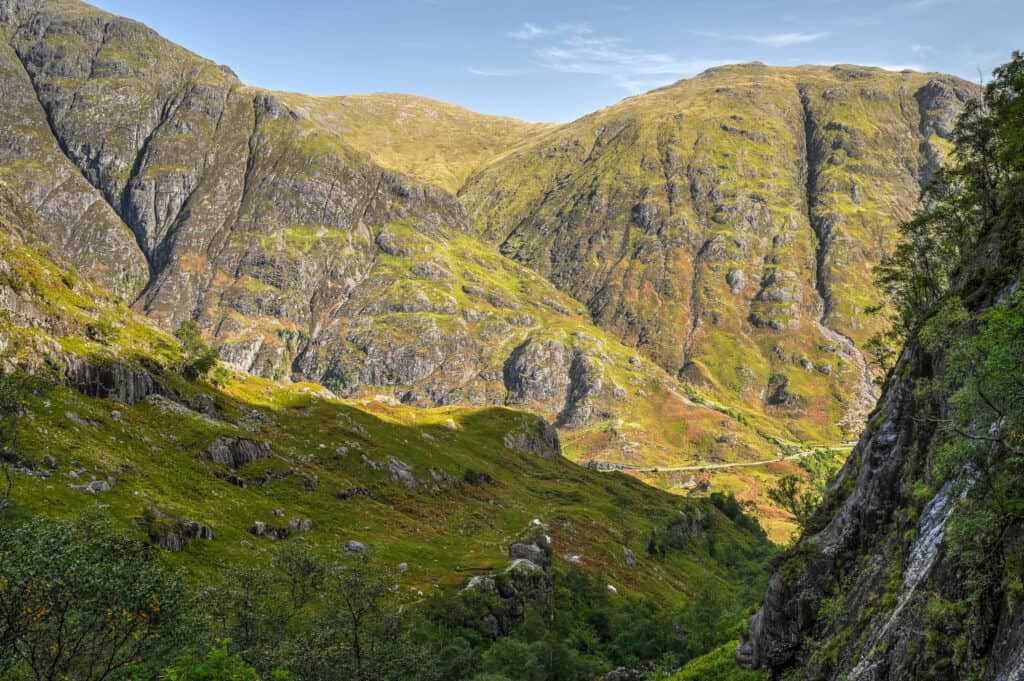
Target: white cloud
491,73
768,39
878,65
897,67
533,31
786,39
575,48
629,68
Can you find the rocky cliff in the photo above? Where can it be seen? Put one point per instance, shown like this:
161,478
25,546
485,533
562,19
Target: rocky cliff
727,226
712,237
911,568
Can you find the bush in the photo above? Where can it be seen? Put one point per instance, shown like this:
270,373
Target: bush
197,357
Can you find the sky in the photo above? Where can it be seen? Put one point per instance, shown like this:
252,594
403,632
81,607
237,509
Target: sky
556,60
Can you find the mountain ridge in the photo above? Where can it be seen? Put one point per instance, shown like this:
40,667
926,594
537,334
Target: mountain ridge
280,223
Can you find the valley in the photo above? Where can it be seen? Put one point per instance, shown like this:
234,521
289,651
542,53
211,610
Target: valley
721,381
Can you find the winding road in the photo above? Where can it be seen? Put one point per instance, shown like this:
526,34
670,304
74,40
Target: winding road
600,466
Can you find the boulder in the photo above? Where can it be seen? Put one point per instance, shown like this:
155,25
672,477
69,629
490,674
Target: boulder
235,452
530,552
92,487
355,548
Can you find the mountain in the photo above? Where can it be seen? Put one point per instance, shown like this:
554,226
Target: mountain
433,142
234,470
911,567
677,279
264,217
727,226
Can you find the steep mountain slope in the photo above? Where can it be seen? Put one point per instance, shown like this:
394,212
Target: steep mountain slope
727,225
201,468
83,223
314,239
303,258
912,568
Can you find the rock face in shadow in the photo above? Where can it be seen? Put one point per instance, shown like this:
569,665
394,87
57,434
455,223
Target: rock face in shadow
910,567
114,380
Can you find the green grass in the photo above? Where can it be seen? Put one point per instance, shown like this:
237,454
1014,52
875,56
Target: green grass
718,665
151,451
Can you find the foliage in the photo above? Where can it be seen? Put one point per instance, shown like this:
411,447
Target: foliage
78,602
978,193
719,665
198,358
792,494
316,621
217,665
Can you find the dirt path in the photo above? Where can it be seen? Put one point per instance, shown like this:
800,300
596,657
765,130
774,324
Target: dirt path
700,467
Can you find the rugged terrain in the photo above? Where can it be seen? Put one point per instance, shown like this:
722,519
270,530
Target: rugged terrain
229,471
261,216
912,566
727,226
674,244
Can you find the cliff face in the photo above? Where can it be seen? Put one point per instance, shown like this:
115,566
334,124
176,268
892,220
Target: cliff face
196,197
727,225
884,589
911,568
719,232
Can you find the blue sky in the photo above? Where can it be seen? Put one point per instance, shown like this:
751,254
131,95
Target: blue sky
556,60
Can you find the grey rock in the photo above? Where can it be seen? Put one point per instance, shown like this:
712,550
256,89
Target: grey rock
113,380
235,452
534,436
353,547
530,552
92,487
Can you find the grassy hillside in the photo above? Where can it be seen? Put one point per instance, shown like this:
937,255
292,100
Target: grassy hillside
445,492
727,225
434,142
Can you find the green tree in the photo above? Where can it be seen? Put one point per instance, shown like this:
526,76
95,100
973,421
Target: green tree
197,357
77,602
359,634
792,494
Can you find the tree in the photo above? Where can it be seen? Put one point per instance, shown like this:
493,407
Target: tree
16,389
217,665
358,634
198,358
791,494
303,572
77,602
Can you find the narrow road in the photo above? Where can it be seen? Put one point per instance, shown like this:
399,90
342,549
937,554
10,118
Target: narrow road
597,465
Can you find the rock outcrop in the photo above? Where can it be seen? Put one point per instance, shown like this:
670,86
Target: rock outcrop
235,452
911,566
